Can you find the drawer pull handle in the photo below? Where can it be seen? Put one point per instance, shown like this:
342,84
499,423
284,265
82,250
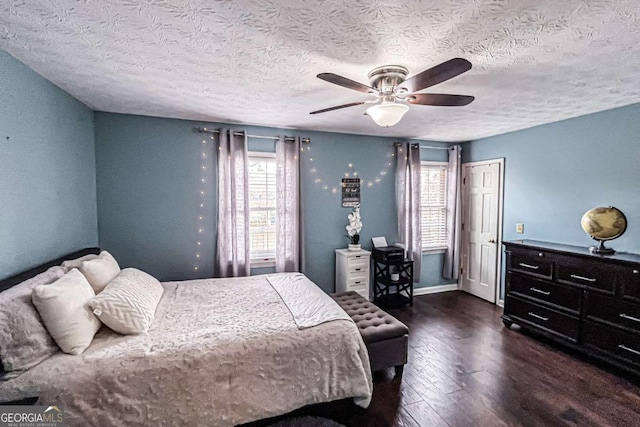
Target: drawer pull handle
626,316
533,267
357,283
540,292
588,279
630,350
358,269
537,316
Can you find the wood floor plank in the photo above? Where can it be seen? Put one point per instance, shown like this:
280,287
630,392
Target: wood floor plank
425,415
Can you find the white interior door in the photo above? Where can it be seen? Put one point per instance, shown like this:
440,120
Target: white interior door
481,194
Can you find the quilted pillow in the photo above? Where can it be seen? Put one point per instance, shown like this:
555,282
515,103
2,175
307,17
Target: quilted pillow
100,270
128,303
65,312
24,341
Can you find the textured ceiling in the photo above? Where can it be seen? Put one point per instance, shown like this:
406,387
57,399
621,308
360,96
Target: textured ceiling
255,61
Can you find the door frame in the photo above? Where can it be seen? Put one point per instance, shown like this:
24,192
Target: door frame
498,266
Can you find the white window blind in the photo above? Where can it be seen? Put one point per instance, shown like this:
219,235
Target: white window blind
262,206
433,205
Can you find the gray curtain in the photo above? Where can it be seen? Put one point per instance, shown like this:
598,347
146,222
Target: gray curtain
408,202
232,254
289,238
451,269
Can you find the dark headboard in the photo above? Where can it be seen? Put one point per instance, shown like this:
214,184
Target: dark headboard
25,275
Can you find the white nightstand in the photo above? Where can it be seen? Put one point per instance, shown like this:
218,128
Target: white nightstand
352,271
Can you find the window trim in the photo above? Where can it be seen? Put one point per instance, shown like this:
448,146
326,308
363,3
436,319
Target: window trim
439,249
261,262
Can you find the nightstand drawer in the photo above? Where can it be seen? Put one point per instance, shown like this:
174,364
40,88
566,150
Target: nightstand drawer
357,270
361,289
355,282
614,311
358,262
621,344
536,266
544,317
545,291
592,276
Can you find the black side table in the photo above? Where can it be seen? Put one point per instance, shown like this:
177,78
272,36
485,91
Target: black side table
382,283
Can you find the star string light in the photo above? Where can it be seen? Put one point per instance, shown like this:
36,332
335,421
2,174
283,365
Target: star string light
202,192
350,172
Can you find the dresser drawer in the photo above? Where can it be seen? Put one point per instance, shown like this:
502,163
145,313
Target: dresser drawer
630,281
614,341
546,318
534,263
591,275
548,292
614,311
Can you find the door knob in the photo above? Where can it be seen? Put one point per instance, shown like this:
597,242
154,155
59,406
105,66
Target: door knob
491,241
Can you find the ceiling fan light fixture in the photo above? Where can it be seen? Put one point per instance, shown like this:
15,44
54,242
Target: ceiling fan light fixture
387,114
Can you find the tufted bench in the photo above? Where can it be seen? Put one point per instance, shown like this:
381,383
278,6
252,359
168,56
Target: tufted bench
385,336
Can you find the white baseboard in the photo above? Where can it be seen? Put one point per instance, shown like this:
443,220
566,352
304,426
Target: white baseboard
435,289
501,303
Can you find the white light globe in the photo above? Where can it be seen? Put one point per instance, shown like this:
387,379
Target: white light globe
387,114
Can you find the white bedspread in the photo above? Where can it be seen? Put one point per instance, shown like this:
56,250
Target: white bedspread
220,352
308,304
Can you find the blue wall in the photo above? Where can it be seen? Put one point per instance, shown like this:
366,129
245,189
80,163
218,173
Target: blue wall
556,172
47,170
148,180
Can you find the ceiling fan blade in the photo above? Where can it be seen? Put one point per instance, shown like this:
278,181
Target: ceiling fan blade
345,82
438,74
439,100
353,104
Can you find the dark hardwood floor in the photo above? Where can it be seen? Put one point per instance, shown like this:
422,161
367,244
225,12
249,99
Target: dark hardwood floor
466,369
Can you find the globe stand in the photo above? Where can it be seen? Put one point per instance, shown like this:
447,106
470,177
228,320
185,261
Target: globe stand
601,249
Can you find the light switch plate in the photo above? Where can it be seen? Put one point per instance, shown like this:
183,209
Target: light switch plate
519,228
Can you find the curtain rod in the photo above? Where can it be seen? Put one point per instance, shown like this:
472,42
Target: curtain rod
397,144
286,138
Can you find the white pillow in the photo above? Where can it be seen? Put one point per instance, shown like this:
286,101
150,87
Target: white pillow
65,311
100,270
70,264
128,303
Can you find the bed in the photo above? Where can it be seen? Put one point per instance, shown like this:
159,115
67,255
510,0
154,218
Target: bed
220,352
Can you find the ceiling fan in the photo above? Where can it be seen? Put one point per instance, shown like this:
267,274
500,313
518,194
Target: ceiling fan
393,91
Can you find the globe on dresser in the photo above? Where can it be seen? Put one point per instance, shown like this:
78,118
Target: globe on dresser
604,223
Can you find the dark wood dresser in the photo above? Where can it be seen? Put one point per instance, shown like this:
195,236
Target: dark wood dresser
589,302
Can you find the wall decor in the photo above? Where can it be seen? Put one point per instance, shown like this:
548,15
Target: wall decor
350,192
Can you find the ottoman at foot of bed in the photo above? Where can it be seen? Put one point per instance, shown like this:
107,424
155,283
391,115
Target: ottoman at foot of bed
386,338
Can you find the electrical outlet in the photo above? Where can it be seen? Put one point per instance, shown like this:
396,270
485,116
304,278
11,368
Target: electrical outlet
519,228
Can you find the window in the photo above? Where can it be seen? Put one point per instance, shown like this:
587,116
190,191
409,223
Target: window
433,205
262,208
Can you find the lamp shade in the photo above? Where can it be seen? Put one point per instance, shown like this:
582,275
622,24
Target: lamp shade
387,114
